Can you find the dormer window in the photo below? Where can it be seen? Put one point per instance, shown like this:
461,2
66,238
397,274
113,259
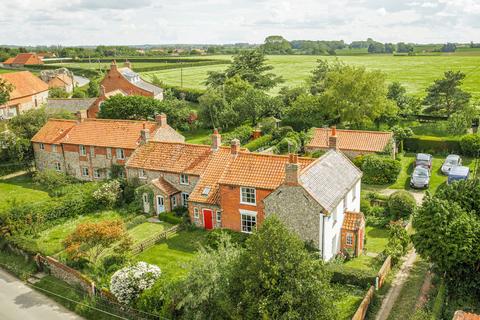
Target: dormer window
184,179
248,196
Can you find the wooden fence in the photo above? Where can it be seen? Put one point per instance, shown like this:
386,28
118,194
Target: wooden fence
383,272
362,309
150,242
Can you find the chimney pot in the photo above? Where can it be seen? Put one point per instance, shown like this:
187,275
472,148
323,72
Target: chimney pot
235,146
161,119
333,139
216,140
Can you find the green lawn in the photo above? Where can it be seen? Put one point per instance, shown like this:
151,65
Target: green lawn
106,65
6,70
347,300
198,136
20,189
49,242
146,230
415,72
377,239
404,306
173,254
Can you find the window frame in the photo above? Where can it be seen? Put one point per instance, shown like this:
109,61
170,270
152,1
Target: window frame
184,179
142,174
185,197
83,172
196,213
92,151
345,203
42,146
109,153
174,202
58,166
120,151
218,216
96,173
82,150
349,238
242,189
252,215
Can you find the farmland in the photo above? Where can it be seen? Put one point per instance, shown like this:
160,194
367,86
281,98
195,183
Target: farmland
415,72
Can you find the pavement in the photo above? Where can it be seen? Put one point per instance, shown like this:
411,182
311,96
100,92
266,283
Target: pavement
19,301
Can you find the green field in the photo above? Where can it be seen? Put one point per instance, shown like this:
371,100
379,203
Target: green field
20,189
415,72
106,65
5,70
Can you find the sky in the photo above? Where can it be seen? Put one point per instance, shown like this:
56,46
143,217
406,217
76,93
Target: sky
135,22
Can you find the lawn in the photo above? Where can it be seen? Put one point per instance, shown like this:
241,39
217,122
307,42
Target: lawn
198,136
437,178
146,230
5,70
415,72
21,189
173,254
377,239
347,300
49,242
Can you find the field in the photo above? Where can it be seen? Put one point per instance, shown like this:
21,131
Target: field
4,70
415,72
106,65
19,189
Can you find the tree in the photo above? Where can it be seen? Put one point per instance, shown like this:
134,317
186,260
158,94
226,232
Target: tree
445,96
398,241
255,104
5,90
307,111
93,90
128,107
400,134
78,93
249,66
57,93
276,45
129,282
89,240
404,48
389,48
376,47
277,278
449,47
216,111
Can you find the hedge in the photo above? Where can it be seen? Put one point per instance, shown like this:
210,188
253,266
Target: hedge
432,144
179,65
10,168
136,59
170,218
347,275
437,309
378,169
259,142
188,94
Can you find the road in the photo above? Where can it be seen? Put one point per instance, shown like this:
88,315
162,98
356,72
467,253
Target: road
20,302
81,81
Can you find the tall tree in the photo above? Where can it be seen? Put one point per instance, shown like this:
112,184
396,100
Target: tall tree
276,45
445,96
256,104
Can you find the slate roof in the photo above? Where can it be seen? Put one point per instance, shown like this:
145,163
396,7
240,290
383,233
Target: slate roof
353,221
54,131
70,105
167,133
352,140
166,187
329,178
25,84
142,84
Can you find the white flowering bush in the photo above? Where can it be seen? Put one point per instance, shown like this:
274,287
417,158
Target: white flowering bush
108,193
129,282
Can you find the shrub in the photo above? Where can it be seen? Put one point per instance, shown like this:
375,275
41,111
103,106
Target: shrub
470,145
401,204
170,218
398,241
113,262
290,143
17,265
108,194
215,237
258,143
346,275
378,217
51,179
129,282
432,145
242,133
135,221
380,170
437,309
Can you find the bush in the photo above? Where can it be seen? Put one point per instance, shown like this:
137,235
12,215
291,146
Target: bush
188,94
51,179
113,262
170,218
290,143
380,170
138,220
437,309
215,237
258,143
398,241
470,145
347,275
432,145
108,194
17,265
378,217
401,204
242,133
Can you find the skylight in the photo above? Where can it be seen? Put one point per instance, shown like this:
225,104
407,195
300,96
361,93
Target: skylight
206,191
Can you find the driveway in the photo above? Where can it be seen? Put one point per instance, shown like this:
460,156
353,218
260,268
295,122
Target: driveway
18,301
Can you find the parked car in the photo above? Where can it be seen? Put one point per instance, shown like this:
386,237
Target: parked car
451,161
420,177
424,160
458,173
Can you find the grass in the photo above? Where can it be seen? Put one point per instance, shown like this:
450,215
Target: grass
17,265
173,254
146,230
347,300
49,242
377,239
198,136
404,306
5,70
21,189
415,72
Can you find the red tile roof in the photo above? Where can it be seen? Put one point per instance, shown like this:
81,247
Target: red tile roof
352,140
25,59
353,220
8,61
166,187
462,315
108,133
53,131
25,84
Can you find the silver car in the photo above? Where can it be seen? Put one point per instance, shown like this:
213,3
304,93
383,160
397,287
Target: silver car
420,177
451,161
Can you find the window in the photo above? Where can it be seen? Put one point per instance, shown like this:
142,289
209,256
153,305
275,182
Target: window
183,179
142,174
219,216
58,166
42,146
206,191
83,150
349,239
247,195
96,173
54,148
85,171
92,152
195,213
174,202
109,153
184,199
249,221
120,154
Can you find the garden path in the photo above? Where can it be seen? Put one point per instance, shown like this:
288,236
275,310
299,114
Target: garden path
12,175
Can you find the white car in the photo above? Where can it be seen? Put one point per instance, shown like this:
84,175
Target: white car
451,161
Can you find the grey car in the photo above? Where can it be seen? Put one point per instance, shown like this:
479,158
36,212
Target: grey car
420,177
424,159
451,161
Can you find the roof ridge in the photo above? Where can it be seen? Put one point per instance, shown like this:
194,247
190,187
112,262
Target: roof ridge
356,130
119,120
64,120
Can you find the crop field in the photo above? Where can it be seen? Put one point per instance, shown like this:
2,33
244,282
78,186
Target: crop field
106,65
415,72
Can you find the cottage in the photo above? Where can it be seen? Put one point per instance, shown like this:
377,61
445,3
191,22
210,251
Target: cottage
23,59
352,142
28,92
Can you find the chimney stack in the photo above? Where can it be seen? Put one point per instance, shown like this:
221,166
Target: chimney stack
332,139
161,119
81,115
144,135
292,169
127,64
235,147
216,140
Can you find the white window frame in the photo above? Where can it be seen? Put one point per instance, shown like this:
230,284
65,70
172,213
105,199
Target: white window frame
83,150
184,179
54,148
196,214
174,202
218,216
245,190
92,151
185,199
120,153
87,171
58,166
109,153
334,216
96,173
349,239
142,174
249,214
42,146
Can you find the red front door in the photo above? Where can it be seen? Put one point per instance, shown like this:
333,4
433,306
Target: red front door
207,219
